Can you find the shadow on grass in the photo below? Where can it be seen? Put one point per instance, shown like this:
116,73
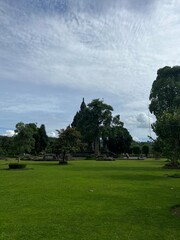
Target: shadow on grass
136,177
20,169
117,168
48,164
174,175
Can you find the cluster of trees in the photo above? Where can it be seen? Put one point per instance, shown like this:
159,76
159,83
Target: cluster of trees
95,129
100,130
28,138
144,148
165,105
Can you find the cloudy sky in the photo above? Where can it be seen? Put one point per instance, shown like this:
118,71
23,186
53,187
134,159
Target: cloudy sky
55,52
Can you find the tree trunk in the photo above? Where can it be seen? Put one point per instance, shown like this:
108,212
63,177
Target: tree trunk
63,157
175,156
174,162
96,146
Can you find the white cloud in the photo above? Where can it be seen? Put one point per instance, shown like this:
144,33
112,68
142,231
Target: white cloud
9,133
106,52
136,139
52,134
143,120
112,48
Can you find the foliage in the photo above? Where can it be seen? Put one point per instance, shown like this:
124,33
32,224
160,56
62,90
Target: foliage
51,148
95,122
28,138
41,139
17,165
69,141
7,147
136,150
118,139
145,150
165,104
165,92
168,128
157,147
24,140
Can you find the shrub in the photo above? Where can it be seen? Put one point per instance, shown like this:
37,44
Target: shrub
17,166
170,165
104,158
90,157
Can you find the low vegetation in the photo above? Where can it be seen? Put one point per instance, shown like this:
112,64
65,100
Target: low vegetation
17,165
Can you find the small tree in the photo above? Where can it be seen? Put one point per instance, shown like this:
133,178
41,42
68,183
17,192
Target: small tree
136,150
145,150
69,141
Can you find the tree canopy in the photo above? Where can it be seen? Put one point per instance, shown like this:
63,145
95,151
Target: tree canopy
41,139
165,104
96,122
24,140
28,138
165,92
68,141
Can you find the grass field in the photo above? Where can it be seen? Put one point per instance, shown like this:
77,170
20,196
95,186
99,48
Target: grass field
89,200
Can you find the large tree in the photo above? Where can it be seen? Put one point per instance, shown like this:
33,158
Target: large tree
92,120
165,92
96,123
165,105
117,138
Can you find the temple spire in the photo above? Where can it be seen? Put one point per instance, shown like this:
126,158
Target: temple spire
83,105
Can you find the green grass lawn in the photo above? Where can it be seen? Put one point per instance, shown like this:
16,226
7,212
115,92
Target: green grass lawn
89,200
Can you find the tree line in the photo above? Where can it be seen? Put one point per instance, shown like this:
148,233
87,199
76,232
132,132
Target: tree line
28,138
95,129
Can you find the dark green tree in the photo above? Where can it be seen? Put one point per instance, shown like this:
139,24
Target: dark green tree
157,147
96,123
165,105
68,141
145,150
117,138
79,114
167,127
165,92
41,139
93,121
136,150
7,146
24,140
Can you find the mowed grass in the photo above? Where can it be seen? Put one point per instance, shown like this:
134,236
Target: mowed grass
89,200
